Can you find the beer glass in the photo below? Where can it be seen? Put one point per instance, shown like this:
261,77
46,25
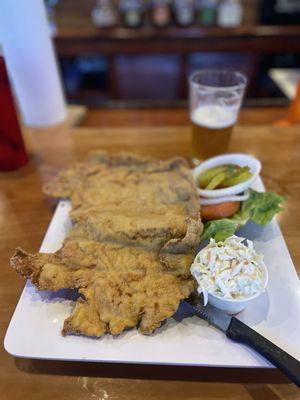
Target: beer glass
215,101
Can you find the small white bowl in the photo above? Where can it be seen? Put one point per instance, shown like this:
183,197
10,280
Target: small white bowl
234,306
236,158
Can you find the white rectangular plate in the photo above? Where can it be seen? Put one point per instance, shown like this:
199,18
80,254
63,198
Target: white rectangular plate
35,328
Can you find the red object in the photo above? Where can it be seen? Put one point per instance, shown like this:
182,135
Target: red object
12,150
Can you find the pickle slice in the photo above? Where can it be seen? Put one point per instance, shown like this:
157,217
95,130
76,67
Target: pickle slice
242,175
216,180
205,178
223,176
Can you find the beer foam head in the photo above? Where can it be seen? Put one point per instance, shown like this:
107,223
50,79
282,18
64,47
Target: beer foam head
214,116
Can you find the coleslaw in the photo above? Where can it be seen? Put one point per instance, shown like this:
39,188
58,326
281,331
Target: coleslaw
229,269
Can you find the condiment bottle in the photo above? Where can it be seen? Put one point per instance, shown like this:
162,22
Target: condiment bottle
184,12
104,14
160,13
12,150
206,12
230,13
132,13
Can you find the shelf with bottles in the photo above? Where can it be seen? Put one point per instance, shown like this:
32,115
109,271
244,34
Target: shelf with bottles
77,35
166,13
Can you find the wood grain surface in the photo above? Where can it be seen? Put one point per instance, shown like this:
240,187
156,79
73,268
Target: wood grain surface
25,214
169,116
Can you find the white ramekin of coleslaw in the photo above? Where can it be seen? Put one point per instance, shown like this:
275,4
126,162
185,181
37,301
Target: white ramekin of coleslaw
230,274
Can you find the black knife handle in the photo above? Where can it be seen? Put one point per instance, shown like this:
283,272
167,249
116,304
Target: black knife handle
287,364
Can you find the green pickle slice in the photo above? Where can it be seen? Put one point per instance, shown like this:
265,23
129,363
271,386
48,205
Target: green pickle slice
223,176
216,180
209,174
241,175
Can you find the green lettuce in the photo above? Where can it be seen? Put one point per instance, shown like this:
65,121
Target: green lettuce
220,229
260,207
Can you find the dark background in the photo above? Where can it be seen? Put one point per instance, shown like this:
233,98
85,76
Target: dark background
151,66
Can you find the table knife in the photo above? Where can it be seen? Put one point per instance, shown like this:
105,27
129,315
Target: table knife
237,331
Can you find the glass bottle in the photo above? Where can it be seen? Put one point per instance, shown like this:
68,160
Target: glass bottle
12,150
206,12
184,12
230,13
104,14
132,13
160,13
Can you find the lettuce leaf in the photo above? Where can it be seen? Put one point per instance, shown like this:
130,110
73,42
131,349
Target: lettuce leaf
220,229
260,207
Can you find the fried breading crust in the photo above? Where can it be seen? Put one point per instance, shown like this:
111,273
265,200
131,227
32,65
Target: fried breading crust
136,227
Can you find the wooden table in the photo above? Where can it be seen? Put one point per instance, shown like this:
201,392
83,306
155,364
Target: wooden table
25,213
171,117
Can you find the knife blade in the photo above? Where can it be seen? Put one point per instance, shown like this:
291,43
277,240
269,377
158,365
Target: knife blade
239,332
210,313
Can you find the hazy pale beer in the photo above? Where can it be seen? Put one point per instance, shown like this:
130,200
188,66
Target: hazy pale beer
215,101
211,131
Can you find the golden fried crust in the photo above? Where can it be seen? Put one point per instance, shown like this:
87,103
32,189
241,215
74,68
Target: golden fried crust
136,227
122,287
24,263
178,254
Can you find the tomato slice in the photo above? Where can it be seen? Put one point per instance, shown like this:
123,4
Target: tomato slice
218,211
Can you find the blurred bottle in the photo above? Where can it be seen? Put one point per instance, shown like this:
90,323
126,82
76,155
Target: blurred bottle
230,13
206,12
30,58
104,14
12,151
132,13
184,12
160,14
